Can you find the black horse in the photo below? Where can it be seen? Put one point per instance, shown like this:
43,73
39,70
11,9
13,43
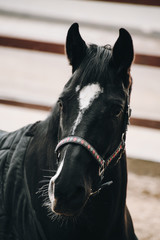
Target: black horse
66,177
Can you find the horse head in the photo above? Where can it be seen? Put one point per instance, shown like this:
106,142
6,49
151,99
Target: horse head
92,111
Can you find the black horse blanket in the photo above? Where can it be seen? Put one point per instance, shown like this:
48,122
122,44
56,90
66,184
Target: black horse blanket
17,217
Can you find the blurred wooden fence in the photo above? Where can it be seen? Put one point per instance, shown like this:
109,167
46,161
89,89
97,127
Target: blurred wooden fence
57,48
139,2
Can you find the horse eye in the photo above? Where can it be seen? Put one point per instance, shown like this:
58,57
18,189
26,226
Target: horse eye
60,103
116,111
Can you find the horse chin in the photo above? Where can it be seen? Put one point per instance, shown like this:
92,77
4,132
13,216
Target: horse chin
65,212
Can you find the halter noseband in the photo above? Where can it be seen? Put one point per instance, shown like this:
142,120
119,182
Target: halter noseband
104,163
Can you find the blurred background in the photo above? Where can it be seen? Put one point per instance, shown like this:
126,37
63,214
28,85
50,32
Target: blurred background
34,69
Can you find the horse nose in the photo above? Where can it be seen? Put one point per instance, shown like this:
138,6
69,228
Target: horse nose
70,201
67,200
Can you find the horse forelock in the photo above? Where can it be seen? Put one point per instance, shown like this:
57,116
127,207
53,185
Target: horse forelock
95,66
93,69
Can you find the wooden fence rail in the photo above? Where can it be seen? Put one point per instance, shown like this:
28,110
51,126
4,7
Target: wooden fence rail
155,124
29,44
58,48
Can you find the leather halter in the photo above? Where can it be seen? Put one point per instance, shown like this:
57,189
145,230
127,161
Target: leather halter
104,163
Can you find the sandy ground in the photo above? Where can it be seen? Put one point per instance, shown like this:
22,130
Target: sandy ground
144,199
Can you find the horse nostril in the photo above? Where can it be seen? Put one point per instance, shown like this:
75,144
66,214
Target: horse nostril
78,194
68,200
71,195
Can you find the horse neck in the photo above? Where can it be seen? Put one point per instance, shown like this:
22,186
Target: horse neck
118,174
116,197
46,140
40,155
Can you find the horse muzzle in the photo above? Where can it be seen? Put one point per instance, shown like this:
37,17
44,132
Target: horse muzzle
67,202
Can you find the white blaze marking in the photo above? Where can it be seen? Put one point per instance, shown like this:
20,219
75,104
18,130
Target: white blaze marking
53,179
88,94
86,97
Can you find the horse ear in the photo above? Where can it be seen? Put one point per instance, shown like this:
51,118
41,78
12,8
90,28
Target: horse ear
75,46
123,52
